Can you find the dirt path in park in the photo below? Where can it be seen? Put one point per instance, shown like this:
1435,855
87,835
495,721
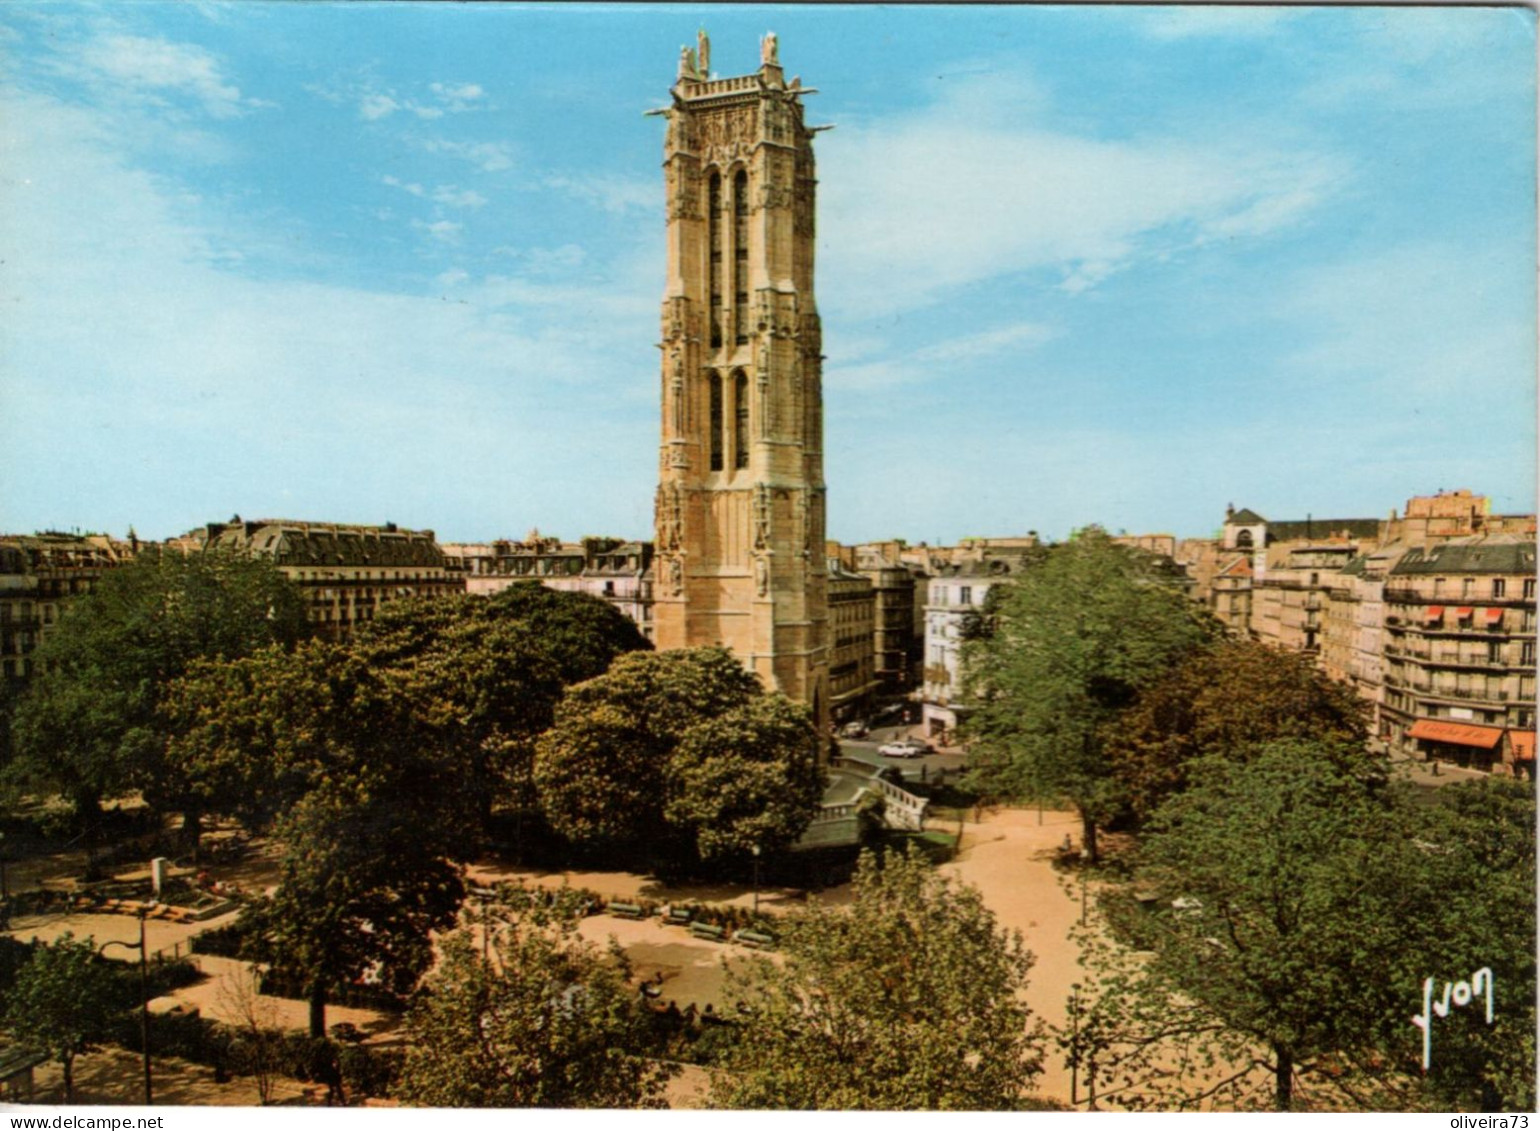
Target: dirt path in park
1009,858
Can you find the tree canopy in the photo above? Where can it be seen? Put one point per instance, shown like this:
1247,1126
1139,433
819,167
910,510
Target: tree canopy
909,998
62,1003
680,751
1076,637
1299,902
1225,700
372,817
540,1018
89,725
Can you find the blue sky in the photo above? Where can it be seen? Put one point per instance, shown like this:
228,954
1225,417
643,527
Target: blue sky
395,262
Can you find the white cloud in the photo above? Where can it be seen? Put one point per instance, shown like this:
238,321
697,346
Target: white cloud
962,200
488,156
454,197
126,331
154,67
458,97
613,194
375,104
857,370
445,231
404,186
373,107
1188,21
1427,58
1023,335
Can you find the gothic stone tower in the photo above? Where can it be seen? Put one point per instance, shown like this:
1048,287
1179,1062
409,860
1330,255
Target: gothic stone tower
740,503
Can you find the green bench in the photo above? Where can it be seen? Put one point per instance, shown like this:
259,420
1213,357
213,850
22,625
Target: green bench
678,917
755,939
624,910
708,931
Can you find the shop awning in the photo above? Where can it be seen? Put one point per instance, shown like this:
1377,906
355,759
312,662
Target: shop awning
1461,734
1523,745
1433,613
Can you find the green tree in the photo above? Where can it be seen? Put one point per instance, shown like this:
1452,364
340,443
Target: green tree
540,1018
1481,837
584,633
1225,700
681,753
483,687
372,820
1296,916
748,779
602,768
89,725
62,1003
908,998
1076,637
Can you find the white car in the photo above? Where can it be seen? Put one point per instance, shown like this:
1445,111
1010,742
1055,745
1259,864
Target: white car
904,748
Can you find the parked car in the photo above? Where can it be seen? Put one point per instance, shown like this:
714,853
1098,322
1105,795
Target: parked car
904,748
854,729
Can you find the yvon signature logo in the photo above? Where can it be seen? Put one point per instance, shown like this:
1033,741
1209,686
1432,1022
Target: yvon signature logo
1460,995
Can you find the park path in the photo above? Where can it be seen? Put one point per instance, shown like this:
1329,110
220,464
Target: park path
1009,858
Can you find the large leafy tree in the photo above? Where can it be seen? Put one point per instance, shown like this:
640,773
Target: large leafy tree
62,1003
1481,835
681,753
583,633
372,818
1076,637
538,1018
90,725
746,780
908,998
484,686
1225,700
1300,901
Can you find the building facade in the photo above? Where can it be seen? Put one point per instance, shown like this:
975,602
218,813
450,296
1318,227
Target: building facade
39,575
852,620
612,569
1459,652
345,573
896,647
954,594
739,511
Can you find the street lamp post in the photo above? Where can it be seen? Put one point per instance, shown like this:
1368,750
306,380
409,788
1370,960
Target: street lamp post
755,851
144,999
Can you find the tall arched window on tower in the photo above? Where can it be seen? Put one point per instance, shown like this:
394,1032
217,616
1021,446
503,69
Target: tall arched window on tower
740,420
716,422
741,256
714,222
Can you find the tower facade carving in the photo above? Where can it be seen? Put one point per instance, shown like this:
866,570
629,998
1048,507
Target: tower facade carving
740,501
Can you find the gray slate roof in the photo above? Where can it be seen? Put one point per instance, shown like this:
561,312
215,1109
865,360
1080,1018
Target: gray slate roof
1468,557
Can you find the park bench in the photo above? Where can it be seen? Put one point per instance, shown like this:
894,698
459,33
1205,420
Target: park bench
678,917
708,931
755,939
625,910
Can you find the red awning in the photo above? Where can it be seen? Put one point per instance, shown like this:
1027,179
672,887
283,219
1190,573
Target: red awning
1461,734
1464,612
1493,615
1435,612
1523,745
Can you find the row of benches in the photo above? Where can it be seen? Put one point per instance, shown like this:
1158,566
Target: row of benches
680,917
134,907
